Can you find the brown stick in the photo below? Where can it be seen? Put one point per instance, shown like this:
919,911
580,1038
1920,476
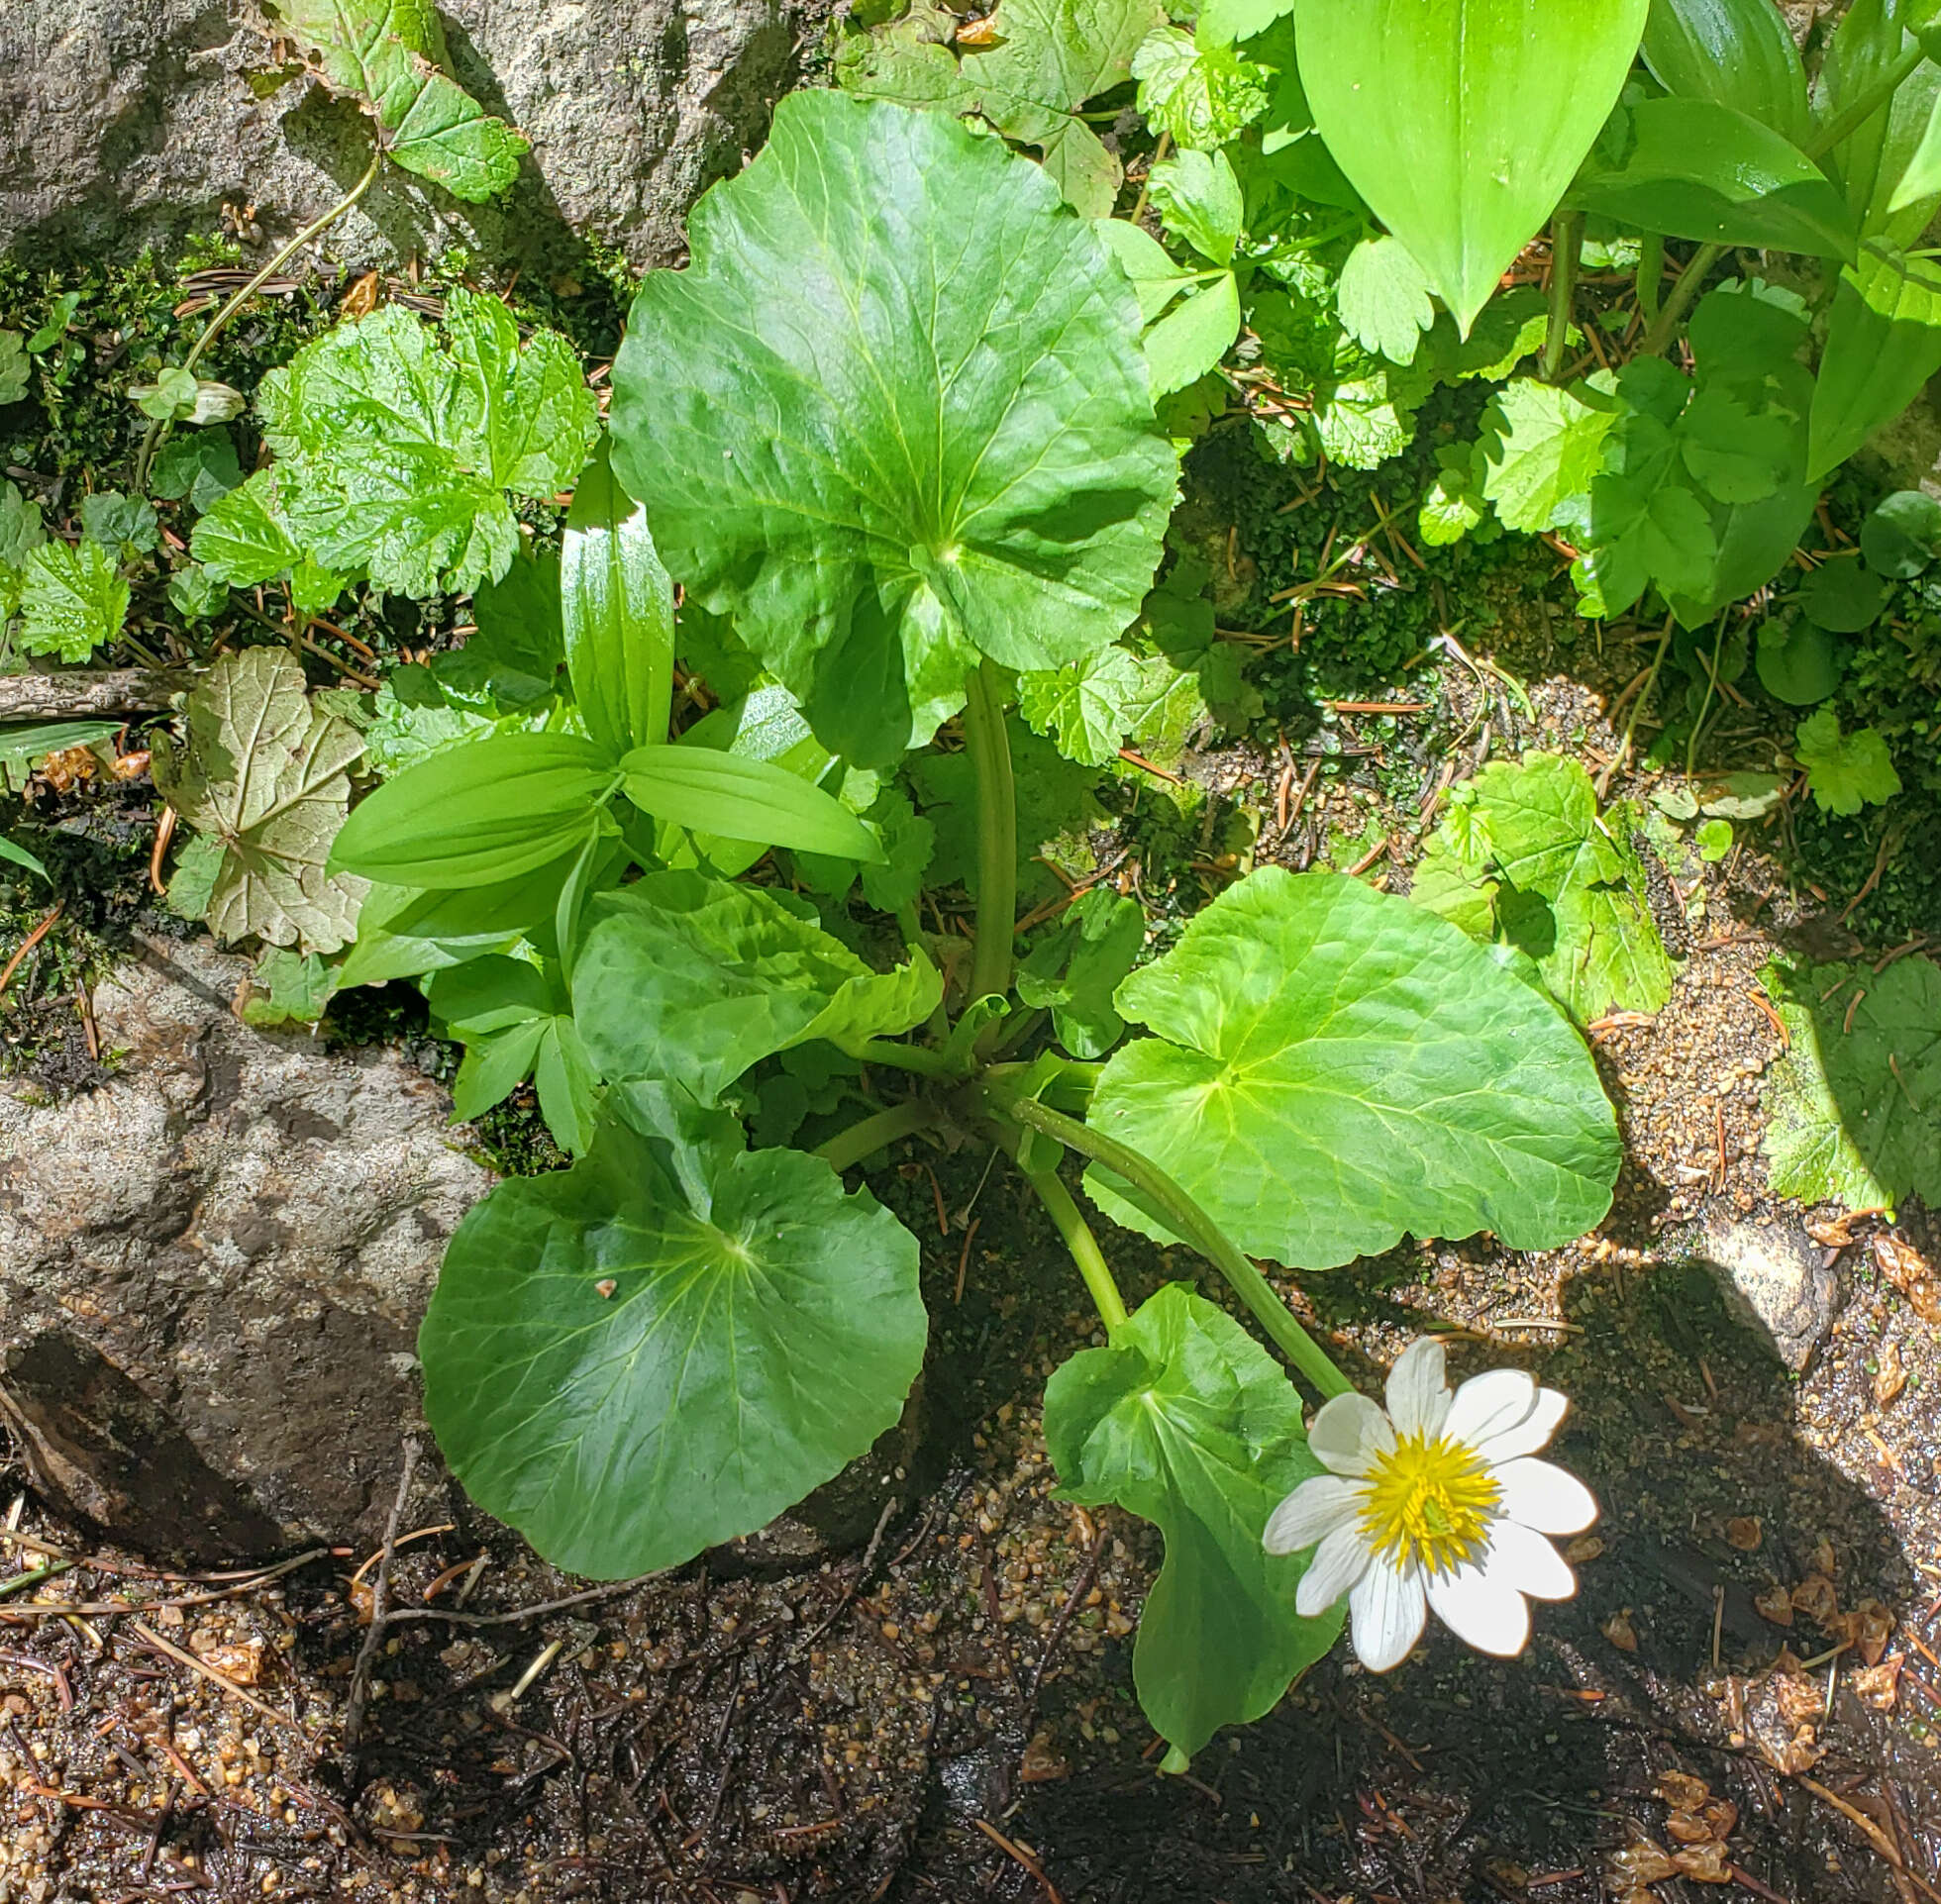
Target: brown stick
379,1594
77,696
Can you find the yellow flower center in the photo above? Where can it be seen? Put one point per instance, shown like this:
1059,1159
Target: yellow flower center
1429,1501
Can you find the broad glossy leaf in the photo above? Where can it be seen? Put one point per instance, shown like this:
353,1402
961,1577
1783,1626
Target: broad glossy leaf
1869,43
667,1345
1901,535
1737,53
1561,881
403,932
692,979
1798,664
266,774
398,448
1334,1068
1694,169
1449,118
744,799
390,54
914,437
618,604
479,814
1883,343
1187,1422
1854,1105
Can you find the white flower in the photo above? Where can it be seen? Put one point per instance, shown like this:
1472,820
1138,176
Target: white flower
1434,1502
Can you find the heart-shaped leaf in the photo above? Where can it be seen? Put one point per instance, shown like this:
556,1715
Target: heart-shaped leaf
1335,1067
920,430
667,1345
1452,117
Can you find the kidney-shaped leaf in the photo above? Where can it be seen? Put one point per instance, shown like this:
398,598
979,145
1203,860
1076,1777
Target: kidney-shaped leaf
1694,169
1188,1423
915,427
691,978
667,1345
1461,121
1335,1067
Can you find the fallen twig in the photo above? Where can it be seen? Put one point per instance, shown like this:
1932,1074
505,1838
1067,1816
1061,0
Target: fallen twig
379,1594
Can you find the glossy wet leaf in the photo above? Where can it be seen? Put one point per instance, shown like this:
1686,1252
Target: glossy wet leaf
915,436
1334,1067
73,599
1901,535
1201,94
692,979
1737,53
391,54
615,1356
1185,1421
265,774
743,799
1449,118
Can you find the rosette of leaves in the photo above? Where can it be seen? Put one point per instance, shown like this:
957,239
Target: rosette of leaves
917,437
398,452
390,56
1524,858
265,780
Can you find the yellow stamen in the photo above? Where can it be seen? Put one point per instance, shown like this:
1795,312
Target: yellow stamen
1429,1501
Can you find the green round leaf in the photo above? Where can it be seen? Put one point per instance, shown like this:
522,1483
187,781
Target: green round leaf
894,416
1842,597
1799,664
1901,535
667,1345
1335,1067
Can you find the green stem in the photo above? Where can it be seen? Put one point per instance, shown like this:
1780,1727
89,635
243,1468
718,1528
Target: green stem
1188,1220
1084,1248
158,430
1685,287
874,1133
26,1582
1866,106
1651,275
1704,706
998,833
919,1058
1566,238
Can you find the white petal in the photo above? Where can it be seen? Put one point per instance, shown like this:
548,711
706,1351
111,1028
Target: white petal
1531,1433
1418,1396
1387,1612
1543,1496
1339,1561
1314,1508
1521,1558
1347,1433
1491,1404
1481,1610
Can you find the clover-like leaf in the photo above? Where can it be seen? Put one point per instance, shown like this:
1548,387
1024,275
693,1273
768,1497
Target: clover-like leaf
1335,1067
1188,1423
1854,1106
667,1345
688,978
915,436
397,451
265,773
391,56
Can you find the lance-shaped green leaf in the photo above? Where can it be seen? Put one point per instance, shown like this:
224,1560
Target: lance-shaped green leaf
1861,64
914,437
619,610
1449,118
265,774
1883,343
390,54
1737,53
1694,169
667,1345
1854,1106
694,979
744,799
1336,1067
398,450
515,1022
479,814
1188,1423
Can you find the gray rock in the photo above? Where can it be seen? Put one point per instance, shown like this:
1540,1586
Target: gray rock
1773,1277
212,1270
125,123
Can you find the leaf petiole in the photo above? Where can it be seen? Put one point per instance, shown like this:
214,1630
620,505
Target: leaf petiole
1085,1252
867,1136
1191,1223
919,1058
997,829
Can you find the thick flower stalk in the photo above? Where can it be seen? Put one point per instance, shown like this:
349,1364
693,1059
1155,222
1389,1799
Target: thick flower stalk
1435,1501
